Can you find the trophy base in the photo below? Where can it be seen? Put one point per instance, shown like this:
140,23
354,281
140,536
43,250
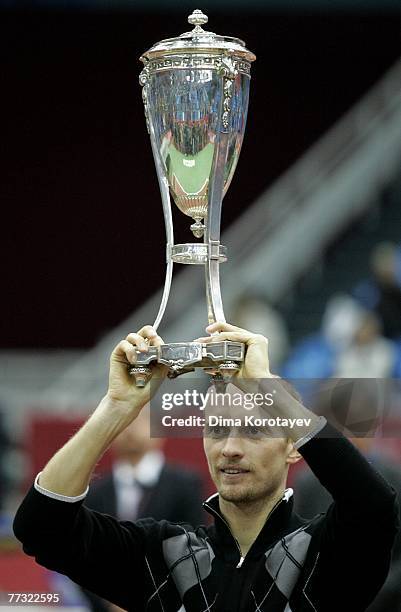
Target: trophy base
219,359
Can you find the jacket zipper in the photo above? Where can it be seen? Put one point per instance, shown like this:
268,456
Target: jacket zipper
213,511
242,557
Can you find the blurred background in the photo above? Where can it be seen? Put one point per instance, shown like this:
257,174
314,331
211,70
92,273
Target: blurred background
312,220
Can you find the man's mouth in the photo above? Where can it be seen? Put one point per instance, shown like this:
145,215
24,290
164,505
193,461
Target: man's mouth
233,471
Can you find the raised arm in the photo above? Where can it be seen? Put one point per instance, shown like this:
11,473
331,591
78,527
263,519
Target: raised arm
344,472
69,471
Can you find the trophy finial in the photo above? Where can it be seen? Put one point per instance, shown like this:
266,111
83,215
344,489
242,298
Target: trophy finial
197,18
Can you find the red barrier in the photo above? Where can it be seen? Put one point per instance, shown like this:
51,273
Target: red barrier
46,433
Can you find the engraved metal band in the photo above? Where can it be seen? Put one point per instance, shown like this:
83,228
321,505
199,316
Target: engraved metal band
229,71
196,253
201,62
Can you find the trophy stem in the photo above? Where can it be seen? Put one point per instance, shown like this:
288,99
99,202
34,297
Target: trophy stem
212,234
166,293
215,310
168,222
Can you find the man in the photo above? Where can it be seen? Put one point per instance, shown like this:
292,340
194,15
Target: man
258,555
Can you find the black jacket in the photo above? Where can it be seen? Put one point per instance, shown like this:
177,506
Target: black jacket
175,497
312,498
338,561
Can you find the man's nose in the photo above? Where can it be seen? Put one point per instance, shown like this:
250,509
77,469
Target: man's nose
232,446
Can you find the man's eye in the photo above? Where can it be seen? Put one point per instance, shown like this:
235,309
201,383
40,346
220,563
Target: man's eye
252,431
217,431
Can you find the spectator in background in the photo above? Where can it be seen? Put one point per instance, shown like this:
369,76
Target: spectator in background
355,408
369,354
349,344
253,312
382,292
142,484
341,318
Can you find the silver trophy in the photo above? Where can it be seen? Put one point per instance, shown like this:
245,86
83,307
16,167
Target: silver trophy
195,91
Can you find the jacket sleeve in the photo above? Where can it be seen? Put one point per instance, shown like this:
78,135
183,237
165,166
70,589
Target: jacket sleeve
357,534
94,550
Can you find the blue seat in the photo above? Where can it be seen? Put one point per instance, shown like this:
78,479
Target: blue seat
313,357
311,360
397,360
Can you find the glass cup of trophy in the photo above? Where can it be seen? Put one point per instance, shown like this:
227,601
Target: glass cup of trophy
195,91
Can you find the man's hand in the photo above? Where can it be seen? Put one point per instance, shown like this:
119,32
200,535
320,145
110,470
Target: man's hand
122,388
255,376
256,364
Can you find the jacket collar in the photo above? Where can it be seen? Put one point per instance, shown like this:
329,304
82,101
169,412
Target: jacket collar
275,527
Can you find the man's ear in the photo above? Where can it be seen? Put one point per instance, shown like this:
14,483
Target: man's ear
293,455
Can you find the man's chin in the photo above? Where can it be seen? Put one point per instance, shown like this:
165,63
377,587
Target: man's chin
235,495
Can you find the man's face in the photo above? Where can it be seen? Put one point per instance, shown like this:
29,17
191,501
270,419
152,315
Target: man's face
246,464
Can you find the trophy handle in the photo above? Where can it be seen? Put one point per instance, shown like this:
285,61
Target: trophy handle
212,234
168,220
216,189
142,372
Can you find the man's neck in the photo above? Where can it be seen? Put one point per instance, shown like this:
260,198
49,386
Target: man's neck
246,520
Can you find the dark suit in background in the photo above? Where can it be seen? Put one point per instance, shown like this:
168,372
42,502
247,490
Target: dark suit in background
177,496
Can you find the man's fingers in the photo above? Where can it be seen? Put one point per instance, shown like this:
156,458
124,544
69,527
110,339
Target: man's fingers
147,336
226,331
156,340
138,341
221,326
244,337
147,331
125,351
150,334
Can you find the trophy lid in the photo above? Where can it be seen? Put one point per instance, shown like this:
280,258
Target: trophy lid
199,40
